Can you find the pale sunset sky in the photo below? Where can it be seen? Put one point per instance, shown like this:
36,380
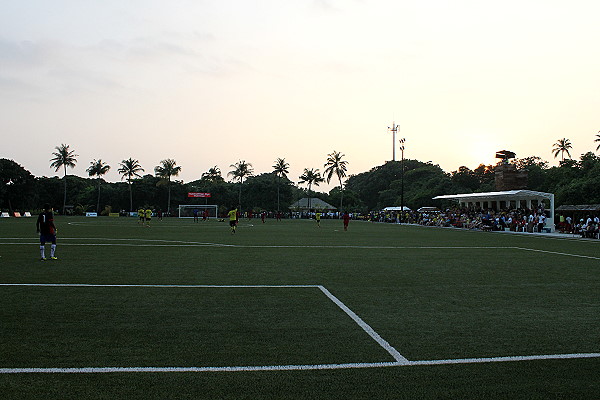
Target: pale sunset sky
213,82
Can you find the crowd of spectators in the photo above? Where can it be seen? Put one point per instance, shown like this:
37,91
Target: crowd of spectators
516,220
588,227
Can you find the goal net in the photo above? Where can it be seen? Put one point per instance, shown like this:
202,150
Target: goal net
187,210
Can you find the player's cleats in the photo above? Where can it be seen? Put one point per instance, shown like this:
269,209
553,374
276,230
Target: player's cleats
54,258
43,259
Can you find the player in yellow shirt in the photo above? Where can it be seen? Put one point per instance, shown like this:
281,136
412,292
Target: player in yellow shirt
233,219
148,214
318,218
141,215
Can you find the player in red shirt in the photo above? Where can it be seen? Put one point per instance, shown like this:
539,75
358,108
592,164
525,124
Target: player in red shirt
346,218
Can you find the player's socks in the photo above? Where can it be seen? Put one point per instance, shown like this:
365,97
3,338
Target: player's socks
52,250
43,252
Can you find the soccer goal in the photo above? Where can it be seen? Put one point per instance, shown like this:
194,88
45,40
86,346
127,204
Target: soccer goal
187,210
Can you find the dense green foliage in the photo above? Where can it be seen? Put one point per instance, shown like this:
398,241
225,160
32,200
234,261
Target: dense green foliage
573,182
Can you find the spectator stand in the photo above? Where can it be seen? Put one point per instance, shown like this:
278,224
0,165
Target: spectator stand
510,199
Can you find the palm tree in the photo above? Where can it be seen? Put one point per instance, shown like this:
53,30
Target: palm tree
241,169
281,169
335,165
212,175
561,147
98,168
165,171
63,157
130,168
597,140
311,176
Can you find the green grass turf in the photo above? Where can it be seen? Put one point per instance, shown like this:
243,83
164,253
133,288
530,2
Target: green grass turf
428,303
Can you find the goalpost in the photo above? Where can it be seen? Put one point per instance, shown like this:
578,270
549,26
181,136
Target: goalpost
187,210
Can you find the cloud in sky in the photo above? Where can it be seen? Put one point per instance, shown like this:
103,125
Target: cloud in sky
208,83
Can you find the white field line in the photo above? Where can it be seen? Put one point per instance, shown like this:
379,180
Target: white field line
393,352
269,246
558,253
177,243
156,286
374,335
506,359
400,360
159,243
307,367
96,370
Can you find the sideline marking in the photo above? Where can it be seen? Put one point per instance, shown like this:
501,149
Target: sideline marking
307,367
507,359
155,286
558,253
178,243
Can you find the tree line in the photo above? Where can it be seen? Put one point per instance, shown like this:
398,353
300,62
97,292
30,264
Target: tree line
20,190
572,182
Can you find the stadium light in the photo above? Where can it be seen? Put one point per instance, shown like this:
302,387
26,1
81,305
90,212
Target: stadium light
402,141
394,128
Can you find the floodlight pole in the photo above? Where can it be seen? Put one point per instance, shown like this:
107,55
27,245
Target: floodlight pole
394,128
402,181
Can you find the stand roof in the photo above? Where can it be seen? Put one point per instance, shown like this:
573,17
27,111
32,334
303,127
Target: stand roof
509,194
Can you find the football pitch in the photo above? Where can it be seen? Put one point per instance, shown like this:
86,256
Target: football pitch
289,310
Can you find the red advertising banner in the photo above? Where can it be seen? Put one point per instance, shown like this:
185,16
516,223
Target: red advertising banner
194,194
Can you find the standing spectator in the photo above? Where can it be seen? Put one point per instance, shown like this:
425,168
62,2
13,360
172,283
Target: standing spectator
541,222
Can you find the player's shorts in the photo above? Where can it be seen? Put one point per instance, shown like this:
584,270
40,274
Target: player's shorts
48,237
232,222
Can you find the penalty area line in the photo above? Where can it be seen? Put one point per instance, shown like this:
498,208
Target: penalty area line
308,367
370,331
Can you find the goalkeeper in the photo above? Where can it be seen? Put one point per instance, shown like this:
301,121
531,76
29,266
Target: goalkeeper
47,230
